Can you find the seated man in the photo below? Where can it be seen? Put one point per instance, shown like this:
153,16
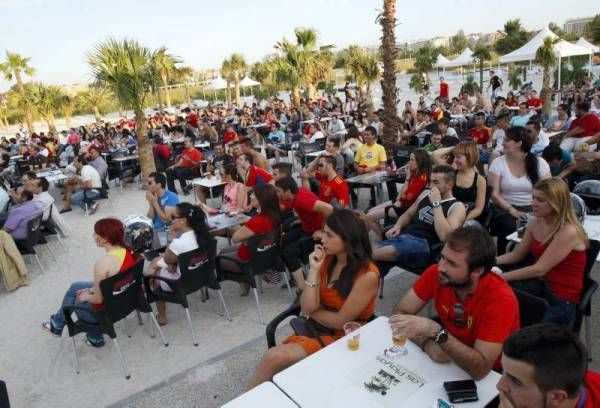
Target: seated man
88,181
332,188
260,161
41,197
539,139
251,174
97,161
427,222
546,365
435,143
183,169
477,309
369,158
561,162
585,129
311,213
20,214
161,200
281,170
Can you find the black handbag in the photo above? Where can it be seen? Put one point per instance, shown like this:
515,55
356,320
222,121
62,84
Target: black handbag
310,328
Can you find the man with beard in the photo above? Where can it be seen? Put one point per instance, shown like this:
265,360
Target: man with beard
477,310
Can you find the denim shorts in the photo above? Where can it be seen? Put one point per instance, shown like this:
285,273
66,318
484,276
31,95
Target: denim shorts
410,250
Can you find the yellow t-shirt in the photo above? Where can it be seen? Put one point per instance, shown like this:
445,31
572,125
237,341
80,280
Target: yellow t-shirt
370,156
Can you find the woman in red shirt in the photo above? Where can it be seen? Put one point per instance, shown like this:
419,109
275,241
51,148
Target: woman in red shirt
558,243
264,199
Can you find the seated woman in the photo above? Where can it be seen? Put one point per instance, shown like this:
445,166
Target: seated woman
418,171
108,234
341,286
558,243
189,231
470,186
264,200
235,195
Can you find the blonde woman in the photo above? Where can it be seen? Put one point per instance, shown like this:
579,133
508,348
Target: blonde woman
558,243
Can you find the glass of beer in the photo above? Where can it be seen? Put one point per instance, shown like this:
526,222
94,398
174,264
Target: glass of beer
399,347
352,329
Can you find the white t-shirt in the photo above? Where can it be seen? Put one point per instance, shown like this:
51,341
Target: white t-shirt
498,138
90,173
318,135
44,201
516,190
451,132
184,243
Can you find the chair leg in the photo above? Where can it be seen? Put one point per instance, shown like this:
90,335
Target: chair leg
61,243
123,363
259,283
260,316
381,281
287,284
127,328
139,316
76,358
224,305
160,332
189,319
588,336
37,258
51,252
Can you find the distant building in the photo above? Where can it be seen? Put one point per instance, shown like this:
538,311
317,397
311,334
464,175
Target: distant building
577,26
416,44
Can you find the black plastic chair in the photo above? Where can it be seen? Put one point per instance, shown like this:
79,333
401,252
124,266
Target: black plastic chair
197,272
531,308
584,308
4,402
50,230
264,255
34,237
122,295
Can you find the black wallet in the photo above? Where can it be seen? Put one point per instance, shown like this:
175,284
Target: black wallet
461,391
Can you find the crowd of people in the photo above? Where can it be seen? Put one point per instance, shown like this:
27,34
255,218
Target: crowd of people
469,169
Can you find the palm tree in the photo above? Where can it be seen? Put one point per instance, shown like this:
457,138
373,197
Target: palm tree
363,67
547,59
22,102
238,66
516,36
184,74
290,69
67,105
14,66
481,53
165,65
514,79
387,19
126,68
227,75
94,98
47,103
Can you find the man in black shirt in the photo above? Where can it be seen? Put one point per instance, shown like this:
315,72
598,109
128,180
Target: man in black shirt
496,84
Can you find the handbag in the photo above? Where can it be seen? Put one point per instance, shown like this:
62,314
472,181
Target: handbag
308,327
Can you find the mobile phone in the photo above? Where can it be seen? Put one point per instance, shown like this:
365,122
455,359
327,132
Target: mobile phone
461,391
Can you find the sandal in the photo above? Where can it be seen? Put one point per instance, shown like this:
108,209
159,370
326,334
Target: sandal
161,321
47,326
244,289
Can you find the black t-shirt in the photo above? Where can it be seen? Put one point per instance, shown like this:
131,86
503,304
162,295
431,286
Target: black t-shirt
496,82
222,160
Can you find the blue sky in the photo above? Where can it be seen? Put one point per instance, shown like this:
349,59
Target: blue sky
56,34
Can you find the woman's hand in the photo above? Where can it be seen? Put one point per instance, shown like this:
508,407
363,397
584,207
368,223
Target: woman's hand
316,257
517,214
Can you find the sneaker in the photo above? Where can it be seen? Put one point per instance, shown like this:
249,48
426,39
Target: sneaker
273,277
93,208
64,210
94,343
47,326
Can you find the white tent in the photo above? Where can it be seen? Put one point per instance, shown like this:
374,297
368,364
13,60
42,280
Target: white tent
441,61
564,49
248,82
217,83
582,42
465,58
527,52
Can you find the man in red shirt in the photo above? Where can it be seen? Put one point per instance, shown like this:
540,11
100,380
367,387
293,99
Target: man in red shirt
332,189
161,152
480,134
477,309
582,129
230,136
183,169
444,90
251,174
534,101
311,213
545,365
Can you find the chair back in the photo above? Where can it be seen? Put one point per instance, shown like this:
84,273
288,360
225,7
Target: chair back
402,155
34,232
531,308
306,148
579,207
4,403
264,252
197,268
122,292
589,286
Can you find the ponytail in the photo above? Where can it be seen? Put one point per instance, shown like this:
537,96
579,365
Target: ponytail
531,166
196,219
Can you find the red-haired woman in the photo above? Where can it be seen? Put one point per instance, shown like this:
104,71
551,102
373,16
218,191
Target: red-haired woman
108,234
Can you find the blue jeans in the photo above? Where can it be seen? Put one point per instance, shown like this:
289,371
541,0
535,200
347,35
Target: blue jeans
410,250
58,319
77,198
559,311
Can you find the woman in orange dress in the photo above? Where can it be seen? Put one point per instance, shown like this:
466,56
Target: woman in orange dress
341,286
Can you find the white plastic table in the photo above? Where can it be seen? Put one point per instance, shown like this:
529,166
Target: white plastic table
315,154
337,377
266,395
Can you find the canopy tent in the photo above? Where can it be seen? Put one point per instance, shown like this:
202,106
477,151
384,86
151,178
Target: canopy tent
217,83
465,58
564,49
582,42
248,82
441,61
527,52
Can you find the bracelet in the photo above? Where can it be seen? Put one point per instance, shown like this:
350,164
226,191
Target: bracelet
311,285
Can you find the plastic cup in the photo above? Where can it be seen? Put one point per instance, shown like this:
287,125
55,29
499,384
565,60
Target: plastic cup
352,329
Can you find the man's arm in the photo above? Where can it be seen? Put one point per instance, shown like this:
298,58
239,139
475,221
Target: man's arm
444,226
577,130
410,304
323,208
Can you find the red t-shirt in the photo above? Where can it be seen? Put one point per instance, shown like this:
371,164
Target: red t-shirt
512,102
589,122
444,90
256,175
304,203
416,185
592,390
490,314
437,114
192,119
534,103
163,150
259,224
229,137
334,188
191,154
480,136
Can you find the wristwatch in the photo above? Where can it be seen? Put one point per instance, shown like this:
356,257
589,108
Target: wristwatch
435,204
441,337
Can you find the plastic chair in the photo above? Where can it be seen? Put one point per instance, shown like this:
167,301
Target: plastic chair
264,255
34,237
4,402
122,294
197,272
531,308
49,230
